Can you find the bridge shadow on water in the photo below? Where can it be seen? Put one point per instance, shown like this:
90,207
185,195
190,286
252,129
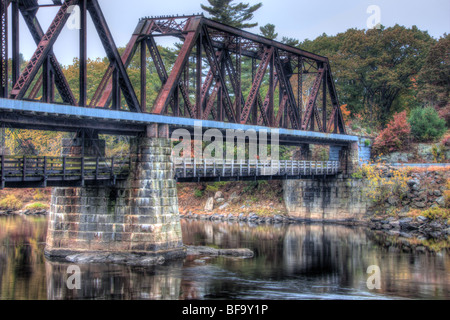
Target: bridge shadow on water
308,261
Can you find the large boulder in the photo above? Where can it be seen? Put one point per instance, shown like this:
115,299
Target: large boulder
209,205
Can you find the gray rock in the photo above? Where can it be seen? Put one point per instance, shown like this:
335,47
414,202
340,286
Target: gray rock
422,219
437,193
218,195
387,227
447,231
278,218
129,259
441,201
407,224
234,197
420,205
395,223
224,206
201,251
209,205
436,226
231,217
220,200
393,201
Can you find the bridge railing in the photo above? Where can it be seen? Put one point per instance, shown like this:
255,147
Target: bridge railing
199,168
31,169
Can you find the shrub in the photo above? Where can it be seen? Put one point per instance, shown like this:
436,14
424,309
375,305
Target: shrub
394,137
10,202
426,124
438,153
37,206
447,194
446,141
379,187
39,196
437,213
198,193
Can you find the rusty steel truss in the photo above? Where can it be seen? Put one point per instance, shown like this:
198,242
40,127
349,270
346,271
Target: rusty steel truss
281,86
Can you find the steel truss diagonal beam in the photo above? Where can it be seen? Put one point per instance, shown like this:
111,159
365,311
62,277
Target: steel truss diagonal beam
37,33
103,95
286,90
41,53
212,98
265,60
309,114
264,106
167,91
113,55
336,120
207,84
216,68
163,76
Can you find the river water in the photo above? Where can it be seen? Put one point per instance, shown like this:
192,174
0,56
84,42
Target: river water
292,262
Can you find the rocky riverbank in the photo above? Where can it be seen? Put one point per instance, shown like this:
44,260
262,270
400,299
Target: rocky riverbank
421,227
4,213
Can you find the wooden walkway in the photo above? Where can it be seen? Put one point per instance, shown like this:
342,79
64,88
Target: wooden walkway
39,172
216,170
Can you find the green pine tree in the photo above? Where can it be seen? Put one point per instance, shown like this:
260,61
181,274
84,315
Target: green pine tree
268,31
235,15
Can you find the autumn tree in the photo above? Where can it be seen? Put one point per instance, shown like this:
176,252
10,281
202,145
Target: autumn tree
394,137
235,15
374,68
434,78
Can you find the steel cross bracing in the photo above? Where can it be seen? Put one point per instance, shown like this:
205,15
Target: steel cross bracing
206,82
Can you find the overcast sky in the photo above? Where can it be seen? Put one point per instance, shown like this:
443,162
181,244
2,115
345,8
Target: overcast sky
293,18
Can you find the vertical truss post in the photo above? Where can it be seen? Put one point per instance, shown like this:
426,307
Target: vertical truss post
83,53
258,102
238,91
115,90
270,108
15,42
46,85
198,75
143,76
324,102
4,49
300,88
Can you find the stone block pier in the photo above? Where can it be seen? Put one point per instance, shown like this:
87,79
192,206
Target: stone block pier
138,216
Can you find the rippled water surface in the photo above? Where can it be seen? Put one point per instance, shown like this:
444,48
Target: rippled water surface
291,262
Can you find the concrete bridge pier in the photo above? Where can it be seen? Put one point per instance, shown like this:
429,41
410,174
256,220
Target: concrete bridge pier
337,199
137,216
